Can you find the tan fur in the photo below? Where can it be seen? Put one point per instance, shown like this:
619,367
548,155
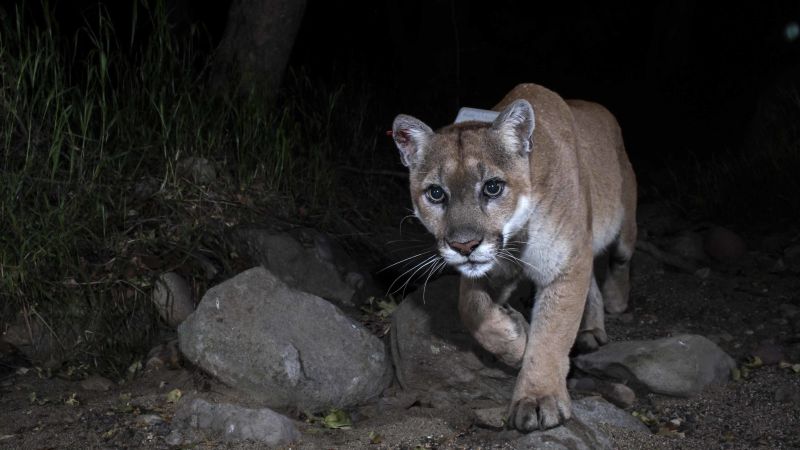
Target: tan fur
569,194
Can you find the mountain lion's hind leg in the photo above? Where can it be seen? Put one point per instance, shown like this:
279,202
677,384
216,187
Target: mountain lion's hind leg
500,329
617,284
592,333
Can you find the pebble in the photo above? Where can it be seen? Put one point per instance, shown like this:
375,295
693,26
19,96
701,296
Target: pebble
617,393
491,417
149,419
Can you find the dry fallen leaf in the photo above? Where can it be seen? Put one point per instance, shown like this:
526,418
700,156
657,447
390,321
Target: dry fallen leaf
72,400
753,362
174,395
338,420
375,438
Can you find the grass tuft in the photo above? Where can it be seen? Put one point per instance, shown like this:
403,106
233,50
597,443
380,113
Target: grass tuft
94,203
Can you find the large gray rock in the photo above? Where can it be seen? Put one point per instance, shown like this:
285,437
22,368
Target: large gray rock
681,365
284,347
433,352
229,422
305,259
587,430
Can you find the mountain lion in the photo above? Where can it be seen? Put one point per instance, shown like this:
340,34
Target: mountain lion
534,195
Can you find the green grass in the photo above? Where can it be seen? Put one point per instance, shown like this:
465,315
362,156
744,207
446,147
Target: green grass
92,204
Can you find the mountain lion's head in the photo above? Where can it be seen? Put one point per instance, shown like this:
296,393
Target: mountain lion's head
470,183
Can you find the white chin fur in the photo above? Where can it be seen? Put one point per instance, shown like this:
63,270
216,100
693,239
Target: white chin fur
474,270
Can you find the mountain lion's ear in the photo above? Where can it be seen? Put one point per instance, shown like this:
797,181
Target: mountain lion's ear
410,136
515,125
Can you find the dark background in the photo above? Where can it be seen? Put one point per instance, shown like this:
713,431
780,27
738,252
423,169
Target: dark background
685,79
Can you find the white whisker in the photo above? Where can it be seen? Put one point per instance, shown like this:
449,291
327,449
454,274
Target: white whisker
411,277
416,266
433,268
404,260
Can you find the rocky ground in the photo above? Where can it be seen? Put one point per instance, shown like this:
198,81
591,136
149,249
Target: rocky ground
708,291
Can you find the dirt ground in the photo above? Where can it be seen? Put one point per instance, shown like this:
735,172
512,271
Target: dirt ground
749,308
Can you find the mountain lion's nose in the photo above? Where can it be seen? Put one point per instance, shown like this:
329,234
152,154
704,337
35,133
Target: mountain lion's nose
465,248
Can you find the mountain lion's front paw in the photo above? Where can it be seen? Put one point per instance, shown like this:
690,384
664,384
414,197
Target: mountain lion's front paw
530,413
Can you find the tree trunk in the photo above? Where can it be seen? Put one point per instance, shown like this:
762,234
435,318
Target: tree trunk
257,43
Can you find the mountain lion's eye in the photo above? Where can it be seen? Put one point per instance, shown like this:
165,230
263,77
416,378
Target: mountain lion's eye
435,193
493,188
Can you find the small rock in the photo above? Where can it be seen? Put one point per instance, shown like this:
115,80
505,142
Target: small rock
149,419
679,366
724,245
235,423
173,298
617,393
770,353
197,169
494,418
96,383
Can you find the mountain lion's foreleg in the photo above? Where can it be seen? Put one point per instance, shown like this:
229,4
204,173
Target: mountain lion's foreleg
540,399
500,329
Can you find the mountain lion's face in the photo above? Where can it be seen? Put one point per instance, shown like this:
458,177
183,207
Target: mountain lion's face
470,184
